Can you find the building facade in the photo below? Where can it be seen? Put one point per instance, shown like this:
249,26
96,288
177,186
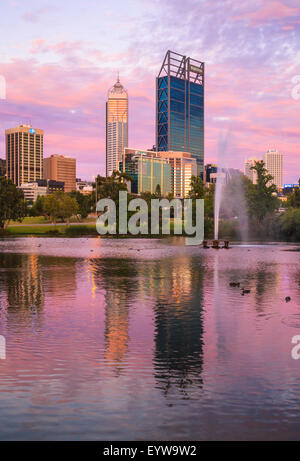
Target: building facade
150,172
182,168
116,126
84,187
273,163
210,172
251,174
24,154
62,169
32,190
180,107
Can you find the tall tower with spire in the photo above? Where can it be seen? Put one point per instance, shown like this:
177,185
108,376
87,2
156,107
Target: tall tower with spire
116,126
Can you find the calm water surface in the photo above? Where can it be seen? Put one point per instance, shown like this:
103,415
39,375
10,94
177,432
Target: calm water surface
143,339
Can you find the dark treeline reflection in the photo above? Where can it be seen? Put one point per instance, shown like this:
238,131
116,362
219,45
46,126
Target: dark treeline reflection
174,289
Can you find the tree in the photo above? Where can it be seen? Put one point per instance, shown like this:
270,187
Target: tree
37,208
197,188
68,207
84,203
290,224
158,190
109,187
60,205
294,198
51,207
262,197
12,203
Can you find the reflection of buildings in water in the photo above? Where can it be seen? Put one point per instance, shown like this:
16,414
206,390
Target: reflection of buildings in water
118,279
23,280
60,280
26,283
116,327
178,323
175,287
24,287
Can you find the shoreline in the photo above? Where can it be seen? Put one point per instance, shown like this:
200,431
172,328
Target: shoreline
95,235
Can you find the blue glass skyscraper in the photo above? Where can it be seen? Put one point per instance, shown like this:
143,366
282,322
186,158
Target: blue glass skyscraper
180,107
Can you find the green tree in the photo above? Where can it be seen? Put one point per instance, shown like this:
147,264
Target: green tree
52,207
290,224
158,191
37,208
68,207
12,203
197,188
60,205
294,198
261,197
84,203
109,187
209,200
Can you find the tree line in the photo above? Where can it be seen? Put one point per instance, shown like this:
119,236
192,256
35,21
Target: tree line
258,202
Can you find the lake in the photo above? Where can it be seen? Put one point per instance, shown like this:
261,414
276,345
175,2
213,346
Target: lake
141,339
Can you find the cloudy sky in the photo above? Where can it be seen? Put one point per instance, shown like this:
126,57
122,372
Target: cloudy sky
59,58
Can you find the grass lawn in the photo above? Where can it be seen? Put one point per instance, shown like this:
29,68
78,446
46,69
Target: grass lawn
30,220
50,230
43,220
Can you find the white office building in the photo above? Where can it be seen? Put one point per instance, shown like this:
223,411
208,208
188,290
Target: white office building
32,190
116,126
251,174
273,162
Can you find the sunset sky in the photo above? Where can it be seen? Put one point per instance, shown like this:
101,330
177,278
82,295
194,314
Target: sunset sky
59,58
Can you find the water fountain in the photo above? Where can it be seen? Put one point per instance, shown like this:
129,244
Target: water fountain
235,199
220,182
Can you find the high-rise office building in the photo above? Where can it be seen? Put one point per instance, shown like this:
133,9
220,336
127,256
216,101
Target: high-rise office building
183,167
116,126
273,162
251,174
180,107
150,172
24,154
61,168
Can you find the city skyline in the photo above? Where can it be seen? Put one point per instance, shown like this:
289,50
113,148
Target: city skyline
61,82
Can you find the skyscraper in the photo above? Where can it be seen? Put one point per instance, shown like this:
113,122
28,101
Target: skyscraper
273,161
149,171
183,167
116,126
180,107
61,168
24,154
251,174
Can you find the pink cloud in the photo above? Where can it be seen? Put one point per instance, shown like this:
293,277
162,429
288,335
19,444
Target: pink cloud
269,10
